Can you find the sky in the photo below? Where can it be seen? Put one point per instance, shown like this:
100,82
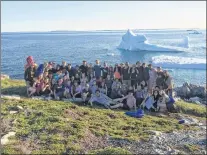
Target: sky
99,15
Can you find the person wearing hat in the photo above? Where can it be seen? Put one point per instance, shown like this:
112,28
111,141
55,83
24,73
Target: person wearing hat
84,68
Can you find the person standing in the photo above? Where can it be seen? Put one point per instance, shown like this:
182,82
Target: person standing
160,77
117,72
97,70
145,73
152,78
84,68
133,76
168,84
105,70
140,76
126,75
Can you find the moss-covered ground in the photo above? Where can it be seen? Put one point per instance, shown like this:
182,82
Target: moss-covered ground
57,127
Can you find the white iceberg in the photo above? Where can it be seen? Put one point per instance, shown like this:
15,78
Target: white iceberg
178,62
136,42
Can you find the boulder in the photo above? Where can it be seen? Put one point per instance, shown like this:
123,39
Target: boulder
191,90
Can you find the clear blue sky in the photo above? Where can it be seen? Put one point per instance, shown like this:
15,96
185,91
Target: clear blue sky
116,15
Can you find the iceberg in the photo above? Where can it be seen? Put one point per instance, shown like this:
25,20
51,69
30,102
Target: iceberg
178,62
139,42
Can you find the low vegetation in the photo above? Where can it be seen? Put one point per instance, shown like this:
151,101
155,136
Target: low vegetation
57,127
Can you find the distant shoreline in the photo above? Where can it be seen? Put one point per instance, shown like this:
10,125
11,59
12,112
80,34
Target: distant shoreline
64,31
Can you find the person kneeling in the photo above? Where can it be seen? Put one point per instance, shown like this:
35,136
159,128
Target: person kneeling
128,102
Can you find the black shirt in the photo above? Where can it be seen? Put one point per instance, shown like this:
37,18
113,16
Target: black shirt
126,73
84,69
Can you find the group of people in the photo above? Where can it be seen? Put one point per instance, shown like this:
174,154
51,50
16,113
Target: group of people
125,85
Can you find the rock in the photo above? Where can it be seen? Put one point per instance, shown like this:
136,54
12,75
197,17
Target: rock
4,76
5,138
16,97
13,112
156,133
190,90
20,107
38,98
173,151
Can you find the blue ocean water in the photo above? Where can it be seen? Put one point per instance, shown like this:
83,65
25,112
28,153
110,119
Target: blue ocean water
73,47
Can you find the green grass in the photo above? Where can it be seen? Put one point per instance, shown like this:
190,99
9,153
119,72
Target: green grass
17,87
190,108
57,127
192,148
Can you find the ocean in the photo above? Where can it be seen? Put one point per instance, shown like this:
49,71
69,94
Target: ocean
74,46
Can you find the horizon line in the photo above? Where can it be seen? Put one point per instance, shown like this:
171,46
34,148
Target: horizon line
103,30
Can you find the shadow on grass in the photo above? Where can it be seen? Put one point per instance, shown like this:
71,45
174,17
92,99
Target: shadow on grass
22,91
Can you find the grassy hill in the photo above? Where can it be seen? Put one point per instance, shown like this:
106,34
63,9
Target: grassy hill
57,127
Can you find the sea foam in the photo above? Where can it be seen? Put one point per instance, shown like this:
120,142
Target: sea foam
178,62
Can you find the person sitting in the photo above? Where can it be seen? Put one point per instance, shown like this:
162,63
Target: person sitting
76,90
124,90
116,91
150,103
83,78
58,89
139,95
94,87
168,103
86,94
108,82
100,98
68,89
128,102
46,88
77,78
103,88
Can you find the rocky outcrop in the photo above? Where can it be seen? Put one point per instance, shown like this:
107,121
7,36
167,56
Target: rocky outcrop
190,90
